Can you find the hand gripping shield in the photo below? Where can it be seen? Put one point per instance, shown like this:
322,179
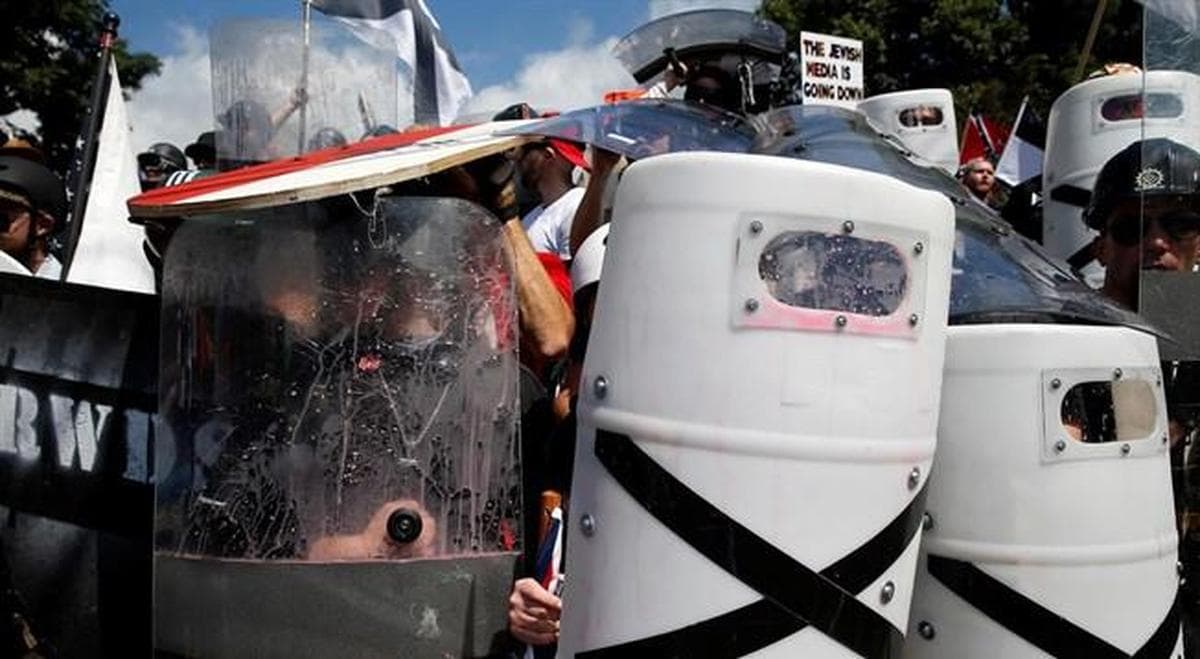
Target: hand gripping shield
1050,529
758,411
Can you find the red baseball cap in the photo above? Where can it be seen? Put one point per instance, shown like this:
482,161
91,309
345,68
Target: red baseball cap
571,151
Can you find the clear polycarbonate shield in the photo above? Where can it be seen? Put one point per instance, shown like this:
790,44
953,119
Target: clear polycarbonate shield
1164,179
271,100
644,52
649,127
339,389
1169,290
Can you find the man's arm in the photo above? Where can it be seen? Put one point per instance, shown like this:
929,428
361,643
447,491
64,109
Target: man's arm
545,318
589,215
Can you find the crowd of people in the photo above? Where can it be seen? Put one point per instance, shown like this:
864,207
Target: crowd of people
1145,208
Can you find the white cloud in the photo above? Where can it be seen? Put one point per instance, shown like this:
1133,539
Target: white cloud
574,77
660,8
176,105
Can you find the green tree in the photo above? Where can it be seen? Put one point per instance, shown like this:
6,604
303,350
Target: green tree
989,53
48,63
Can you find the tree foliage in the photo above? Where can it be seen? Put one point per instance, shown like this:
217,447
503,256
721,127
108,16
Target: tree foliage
989,53
48,61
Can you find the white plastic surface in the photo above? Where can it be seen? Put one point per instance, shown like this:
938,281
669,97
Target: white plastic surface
589,260
805,437
1079,141
1093,540
937,144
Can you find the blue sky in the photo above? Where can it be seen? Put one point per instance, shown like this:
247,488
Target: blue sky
553,54
490,37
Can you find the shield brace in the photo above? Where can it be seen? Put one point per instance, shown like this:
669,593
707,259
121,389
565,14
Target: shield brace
922,119
1050,528
1089,124
758,411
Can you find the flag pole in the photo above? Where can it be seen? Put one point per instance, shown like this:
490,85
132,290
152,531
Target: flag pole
307,12
1090,41
85,165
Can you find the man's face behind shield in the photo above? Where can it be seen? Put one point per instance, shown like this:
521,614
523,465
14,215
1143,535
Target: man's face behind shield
1164,234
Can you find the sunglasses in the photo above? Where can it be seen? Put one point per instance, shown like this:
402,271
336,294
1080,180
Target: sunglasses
1180,225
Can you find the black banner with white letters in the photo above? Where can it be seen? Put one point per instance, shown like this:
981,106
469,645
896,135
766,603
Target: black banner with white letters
78,372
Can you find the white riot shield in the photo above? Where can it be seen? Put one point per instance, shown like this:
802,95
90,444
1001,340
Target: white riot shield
338,467
758,411
922,119
1089,124
262,92
1049,529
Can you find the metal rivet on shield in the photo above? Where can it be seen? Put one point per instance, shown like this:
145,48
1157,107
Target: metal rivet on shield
913,320
1117,374
1060,446
926,521
751,305
587,524
926,630
1125,449
600,386
756,227
888,592
918,248
1055,383
914,478
848,226
840,321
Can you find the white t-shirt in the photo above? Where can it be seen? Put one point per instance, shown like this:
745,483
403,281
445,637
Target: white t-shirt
549,227
50,268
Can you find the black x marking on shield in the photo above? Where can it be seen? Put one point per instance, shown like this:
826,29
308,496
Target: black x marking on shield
794,596
1043,628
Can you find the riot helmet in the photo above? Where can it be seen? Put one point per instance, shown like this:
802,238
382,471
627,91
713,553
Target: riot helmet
326,138
1157,167
163,155
380,131
158,162
32,183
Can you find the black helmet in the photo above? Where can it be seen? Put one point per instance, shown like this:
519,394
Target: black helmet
325,138
163,155
1155,167
35,182
204,149
380,131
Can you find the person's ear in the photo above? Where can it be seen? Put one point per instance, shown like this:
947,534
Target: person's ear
43,224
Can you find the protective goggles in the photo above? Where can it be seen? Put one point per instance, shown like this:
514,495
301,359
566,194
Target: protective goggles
1178,225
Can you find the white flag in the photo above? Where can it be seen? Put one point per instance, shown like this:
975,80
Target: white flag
1025,149
439,85
109,253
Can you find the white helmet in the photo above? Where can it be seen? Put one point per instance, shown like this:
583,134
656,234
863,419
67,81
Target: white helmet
589,259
